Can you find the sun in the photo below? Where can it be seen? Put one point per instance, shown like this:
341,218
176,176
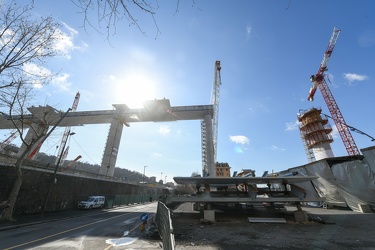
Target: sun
135,88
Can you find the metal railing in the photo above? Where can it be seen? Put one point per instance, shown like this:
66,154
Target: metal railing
121,200
164,225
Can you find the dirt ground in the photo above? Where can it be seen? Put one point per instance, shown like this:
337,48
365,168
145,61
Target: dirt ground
326,229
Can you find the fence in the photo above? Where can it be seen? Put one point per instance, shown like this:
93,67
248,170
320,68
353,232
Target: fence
164,225
119,200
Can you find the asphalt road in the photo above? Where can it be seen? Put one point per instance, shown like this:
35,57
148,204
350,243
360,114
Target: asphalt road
119,228
101,229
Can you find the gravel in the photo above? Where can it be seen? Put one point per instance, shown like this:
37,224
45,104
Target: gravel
326,229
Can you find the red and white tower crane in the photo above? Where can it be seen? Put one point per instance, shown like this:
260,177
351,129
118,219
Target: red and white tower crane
62,155
13,135
318,81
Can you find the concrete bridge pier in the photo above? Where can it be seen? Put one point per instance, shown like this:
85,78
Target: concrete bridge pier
111,148
211,169
30,136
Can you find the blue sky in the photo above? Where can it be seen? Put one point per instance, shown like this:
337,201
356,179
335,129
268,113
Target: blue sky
268,50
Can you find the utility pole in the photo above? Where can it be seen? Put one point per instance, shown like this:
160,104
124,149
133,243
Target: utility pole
54,174
54,178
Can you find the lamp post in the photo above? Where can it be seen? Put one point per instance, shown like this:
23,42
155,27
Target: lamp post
144,173
165,180
161,177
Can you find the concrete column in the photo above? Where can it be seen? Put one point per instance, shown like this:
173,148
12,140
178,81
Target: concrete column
111,148
322,151
210,146
31,135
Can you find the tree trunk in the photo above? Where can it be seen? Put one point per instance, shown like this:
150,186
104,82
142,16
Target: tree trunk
12,198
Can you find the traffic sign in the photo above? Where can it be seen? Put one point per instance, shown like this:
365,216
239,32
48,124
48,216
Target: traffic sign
144,217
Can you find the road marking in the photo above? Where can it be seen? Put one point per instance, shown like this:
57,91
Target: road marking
66,231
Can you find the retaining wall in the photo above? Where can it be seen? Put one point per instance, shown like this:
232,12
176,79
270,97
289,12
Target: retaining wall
65,193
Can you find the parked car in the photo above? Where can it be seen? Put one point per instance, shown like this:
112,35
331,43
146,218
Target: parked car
92,202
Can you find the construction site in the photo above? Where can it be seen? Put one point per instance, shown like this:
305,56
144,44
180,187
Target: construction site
187,125
325,181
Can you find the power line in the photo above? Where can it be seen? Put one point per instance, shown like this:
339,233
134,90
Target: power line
84,151
353,129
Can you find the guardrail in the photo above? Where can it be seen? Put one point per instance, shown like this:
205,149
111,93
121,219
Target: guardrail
120,200
164,225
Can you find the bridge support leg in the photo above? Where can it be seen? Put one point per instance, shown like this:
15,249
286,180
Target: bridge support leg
300,216
209,214
111,149
211,167
31,135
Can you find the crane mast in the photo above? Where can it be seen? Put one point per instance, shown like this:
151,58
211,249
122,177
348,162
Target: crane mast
215,102
209,154
66,134
13,135
318,81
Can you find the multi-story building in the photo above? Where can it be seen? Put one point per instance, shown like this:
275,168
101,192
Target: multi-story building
222,169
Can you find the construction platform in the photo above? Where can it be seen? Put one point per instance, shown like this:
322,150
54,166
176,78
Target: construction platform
271,190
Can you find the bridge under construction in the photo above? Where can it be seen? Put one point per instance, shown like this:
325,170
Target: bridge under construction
153,111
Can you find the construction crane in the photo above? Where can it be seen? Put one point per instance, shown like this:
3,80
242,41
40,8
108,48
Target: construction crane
215,102
71,163
62,155
215,120
13,135
318,81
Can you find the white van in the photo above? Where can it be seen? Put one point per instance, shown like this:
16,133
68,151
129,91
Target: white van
92,202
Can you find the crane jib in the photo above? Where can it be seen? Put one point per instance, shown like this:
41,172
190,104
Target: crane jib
318,81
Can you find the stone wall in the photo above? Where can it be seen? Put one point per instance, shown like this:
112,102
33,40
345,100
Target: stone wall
65,193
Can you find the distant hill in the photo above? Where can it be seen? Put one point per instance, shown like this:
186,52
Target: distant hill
120,173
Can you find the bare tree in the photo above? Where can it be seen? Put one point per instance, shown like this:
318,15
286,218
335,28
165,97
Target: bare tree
25,44
109,12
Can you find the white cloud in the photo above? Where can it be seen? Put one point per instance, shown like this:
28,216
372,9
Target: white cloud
239,139
65,41
33,69
157,155
354,77
274,147
292,125
164,129
72,31
61,81
6,36
36,74
64,44
335,133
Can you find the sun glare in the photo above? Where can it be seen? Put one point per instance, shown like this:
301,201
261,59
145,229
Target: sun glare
134,89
